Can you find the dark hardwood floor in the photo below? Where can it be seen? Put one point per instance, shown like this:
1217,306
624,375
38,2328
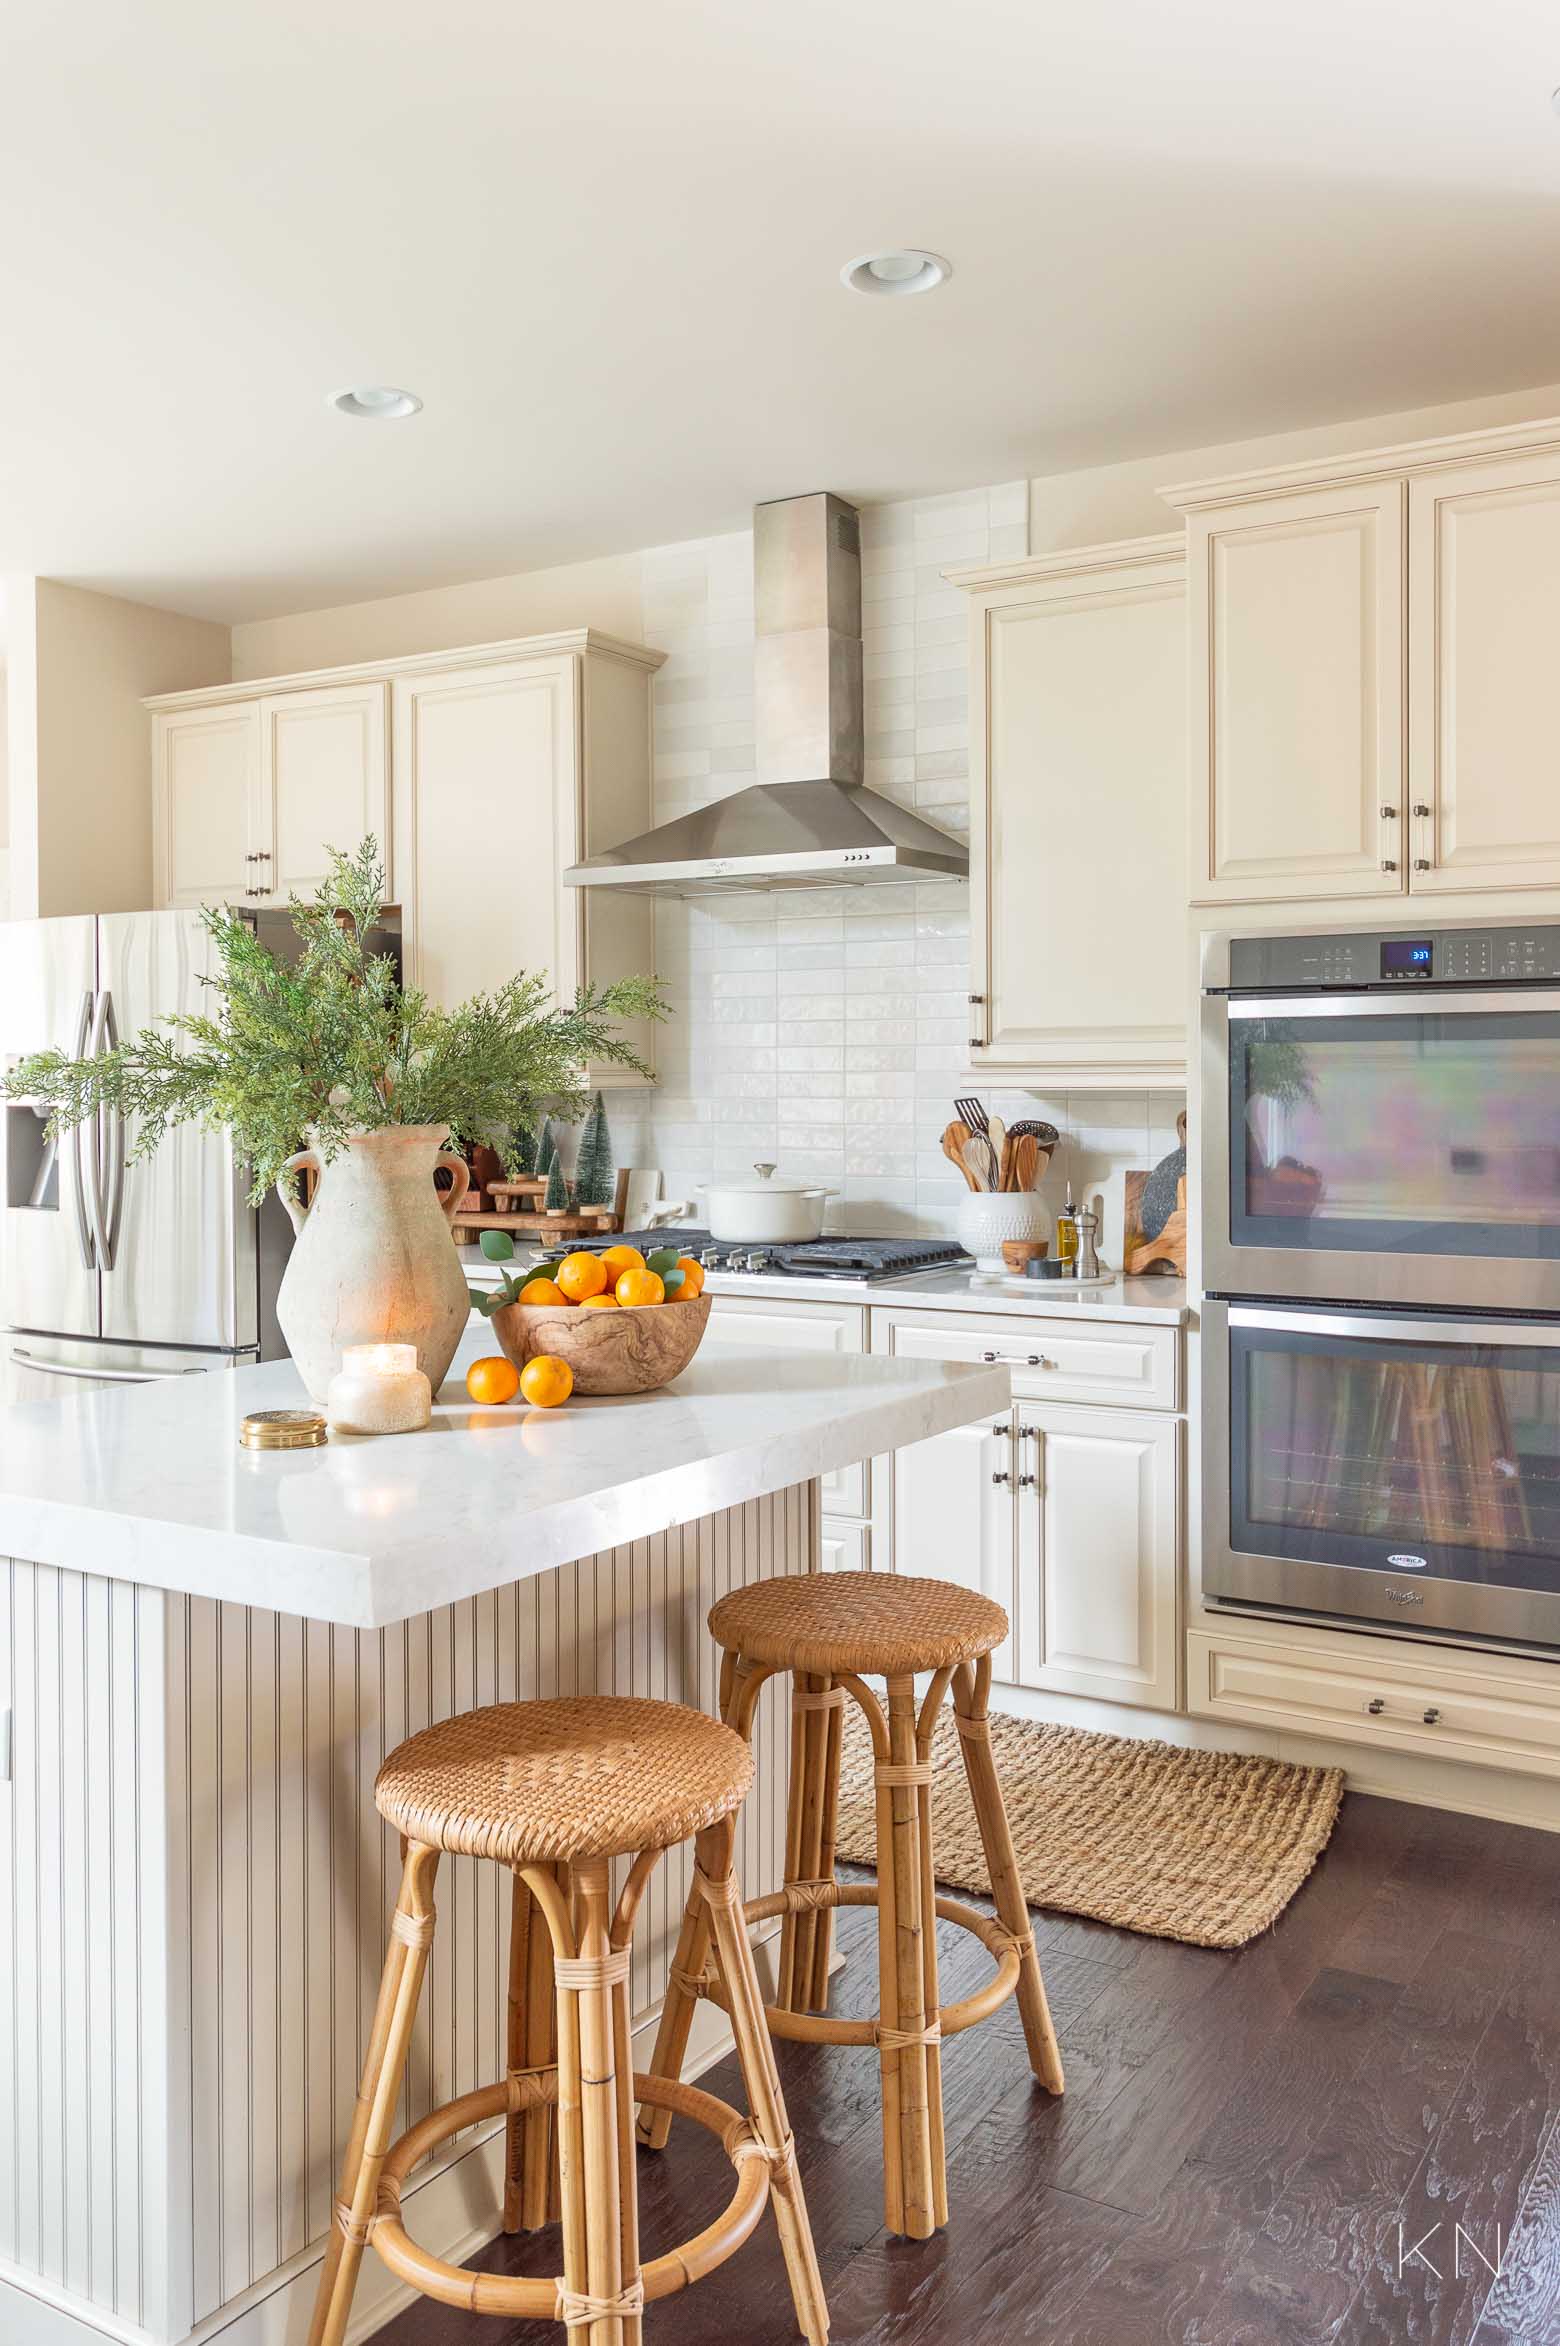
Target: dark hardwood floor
1247,2142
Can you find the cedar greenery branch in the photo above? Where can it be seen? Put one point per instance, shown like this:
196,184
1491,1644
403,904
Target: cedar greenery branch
332,1044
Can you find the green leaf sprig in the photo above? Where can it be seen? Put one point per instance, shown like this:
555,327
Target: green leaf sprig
332,1044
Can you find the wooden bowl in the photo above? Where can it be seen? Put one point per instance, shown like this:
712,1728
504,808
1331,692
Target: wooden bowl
609,1351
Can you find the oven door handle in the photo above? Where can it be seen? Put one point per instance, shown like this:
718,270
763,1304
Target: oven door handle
1392,1328
1407,1000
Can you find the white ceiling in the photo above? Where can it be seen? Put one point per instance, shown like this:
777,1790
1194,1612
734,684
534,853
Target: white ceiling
603,243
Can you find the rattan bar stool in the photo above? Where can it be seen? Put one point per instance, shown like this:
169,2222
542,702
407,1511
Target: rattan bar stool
832,1631
555,1791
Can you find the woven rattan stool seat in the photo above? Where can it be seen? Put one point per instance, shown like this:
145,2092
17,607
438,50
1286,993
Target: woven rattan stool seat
866,1622
540,1782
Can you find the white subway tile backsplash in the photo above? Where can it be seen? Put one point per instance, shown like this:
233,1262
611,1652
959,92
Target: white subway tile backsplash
829,1028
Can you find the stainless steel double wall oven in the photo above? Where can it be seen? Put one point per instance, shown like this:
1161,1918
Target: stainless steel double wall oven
1380,1218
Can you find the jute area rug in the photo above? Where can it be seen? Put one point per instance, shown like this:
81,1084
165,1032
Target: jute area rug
1204,1846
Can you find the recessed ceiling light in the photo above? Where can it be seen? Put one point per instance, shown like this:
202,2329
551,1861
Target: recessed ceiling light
377,402
905,271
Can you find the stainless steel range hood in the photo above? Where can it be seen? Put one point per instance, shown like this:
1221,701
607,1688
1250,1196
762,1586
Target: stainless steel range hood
809,821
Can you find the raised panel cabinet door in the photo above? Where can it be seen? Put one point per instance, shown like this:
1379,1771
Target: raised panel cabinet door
1296,696
1098,1535
954,1515
1082,769
324,782
486,820
1484,621
206,768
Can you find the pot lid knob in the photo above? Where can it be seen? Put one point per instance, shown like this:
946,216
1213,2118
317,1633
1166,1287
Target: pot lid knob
763,1171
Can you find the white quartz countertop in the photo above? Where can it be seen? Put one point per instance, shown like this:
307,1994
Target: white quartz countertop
148,1484
1162,1302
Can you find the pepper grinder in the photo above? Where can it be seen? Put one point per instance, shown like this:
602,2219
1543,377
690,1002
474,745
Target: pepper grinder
1088,1262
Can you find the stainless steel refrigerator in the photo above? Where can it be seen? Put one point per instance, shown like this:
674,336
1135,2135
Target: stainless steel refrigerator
112,1271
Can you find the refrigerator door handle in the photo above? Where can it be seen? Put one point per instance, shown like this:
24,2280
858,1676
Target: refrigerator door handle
65,1368
96,1137
85,1230
111,1154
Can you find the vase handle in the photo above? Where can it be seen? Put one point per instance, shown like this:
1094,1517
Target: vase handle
297,1212
450,1199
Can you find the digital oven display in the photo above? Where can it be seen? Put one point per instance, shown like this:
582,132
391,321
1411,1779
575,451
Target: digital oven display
1406,957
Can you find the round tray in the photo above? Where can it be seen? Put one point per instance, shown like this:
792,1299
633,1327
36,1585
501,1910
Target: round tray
1009,1285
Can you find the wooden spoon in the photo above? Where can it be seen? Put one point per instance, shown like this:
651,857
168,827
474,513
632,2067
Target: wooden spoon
1009,1154
995,1134
955,1140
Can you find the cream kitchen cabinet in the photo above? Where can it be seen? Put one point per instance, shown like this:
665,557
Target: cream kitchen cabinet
249,794
1068,1513
324,782
206,784
482,773
1484,621
1295,642
1325,603
1078,763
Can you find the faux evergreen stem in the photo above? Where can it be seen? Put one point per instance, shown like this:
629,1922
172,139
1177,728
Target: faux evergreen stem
332,1043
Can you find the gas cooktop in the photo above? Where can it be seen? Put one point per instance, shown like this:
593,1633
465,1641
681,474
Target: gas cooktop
813,1258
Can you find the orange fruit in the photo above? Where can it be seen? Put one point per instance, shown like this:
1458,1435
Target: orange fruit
637,1288
582,1275
546,1381
619,1259
492,1379
599,1303
693,1278
542,1291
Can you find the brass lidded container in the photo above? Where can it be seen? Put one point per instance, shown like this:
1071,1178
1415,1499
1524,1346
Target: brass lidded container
282,1429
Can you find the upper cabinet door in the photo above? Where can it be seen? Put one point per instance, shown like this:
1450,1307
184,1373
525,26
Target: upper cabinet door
1484,602
1296,640
1080,731
487,799
324,782
206,766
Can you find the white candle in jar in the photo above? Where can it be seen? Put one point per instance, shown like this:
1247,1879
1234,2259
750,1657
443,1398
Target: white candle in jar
378,1389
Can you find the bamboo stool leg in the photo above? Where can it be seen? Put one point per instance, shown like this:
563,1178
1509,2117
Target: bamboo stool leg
911,2190
716,1886
971,1693
740,1685
606,2181
411,1935
530,2163
932,1994
806,1934
677,2010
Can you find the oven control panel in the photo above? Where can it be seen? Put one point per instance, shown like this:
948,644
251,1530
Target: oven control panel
1525,953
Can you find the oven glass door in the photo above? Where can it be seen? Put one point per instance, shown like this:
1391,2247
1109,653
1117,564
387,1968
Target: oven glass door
1362,1127
1403,1447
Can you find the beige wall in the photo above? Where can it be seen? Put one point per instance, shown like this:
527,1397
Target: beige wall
604,594
80,783
1122,500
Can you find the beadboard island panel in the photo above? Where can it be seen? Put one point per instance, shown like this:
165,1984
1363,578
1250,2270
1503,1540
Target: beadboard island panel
194,1892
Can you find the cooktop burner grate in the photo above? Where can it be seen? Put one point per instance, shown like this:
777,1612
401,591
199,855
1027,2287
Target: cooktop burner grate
814,1258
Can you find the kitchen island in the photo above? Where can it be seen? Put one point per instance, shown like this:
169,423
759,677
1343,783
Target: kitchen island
204,1654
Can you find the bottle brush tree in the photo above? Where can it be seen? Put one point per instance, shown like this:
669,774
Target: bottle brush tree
594,1172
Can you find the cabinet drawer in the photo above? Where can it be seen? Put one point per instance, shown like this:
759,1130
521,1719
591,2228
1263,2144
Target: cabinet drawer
1051,1360
1479,1716
800,1327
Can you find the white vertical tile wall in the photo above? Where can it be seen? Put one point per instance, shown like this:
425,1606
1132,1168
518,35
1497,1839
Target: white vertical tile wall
828,1029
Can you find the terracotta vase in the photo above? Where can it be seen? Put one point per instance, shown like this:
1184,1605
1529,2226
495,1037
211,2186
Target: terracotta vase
374,1262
